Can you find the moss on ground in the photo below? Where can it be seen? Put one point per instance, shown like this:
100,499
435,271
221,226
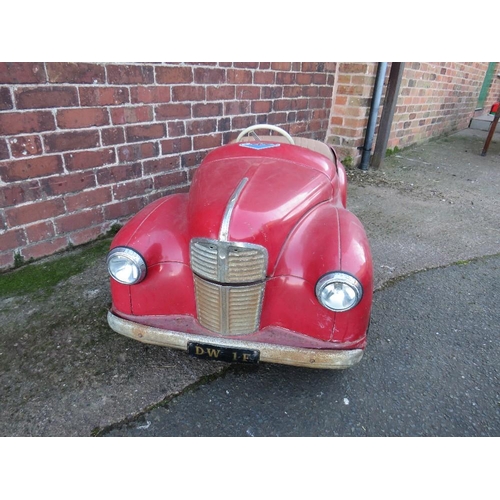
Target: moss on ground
46,274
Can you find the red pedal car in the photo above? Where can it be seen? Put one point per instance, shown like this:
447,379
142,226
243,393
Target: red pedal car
260,261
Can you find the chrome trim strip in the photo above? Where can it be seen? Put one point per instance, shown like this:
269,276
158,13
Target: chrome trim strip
269,353
224,229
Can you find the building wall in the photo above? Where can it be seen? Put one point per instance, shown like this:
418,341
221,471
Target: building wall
494,92
434,99
84,146
352,96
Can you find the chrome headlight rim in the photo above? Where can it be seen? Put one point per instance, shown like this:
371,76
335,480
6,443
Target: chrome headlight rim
134,257
344,279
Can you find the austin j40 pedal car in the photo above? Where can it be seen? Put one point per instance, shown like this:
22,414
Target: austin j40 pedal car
260,261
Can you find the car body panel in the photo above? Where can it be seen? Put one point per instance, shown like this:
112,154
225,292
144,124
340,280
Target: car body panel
286,199
269,202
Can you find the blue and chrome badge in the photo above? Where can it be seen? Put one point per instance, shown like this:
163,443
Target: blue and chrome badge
259,145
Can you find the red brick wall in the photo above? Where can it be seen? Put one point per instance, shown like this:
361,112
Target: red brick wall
352,98
494,92
434,99
83,146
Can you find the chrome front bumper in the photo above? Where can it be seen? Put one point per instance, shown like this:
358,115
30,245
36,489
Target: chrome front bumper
285,355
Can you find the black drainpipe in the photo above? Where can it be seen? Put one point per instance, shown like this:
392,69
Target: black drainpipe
372,119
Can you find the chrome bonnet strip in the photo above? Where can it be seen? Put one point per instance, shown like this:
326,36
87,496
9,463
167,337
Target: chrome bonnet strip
224,229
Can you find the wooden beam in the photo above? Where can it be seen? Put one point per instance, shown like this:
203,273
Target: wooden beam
493,126
391,98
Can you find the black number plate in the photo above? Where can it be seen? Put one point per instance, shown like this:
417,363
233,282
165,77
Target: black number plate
219,353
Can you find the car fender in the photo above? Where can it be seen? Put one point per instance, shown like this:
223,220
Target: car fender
327,239
159,233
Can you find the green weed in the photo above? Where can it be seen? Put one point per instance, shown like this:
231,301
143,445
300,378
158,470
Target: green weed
46,274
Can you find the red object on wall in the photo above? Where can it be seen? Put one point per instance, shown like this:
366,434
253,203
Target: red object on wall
494,108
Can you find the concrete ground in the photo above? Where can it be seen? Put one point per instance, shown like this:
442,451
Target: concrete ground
431,205
431,368
63,372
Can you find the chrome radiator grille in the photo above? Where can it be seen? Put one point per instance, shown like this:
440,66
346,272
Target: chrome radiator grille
228,261
229,284
227,309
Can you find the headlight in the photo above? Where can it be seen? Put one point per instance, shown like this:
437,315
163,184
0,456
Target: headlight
339,291
126,266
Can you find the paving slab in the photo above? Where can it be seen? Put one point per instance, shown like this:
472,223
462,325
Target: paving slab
430,205
63,372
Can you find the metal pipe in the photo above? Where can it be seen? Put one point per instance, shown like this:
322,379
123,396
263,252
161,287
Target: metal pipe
387,115
372,119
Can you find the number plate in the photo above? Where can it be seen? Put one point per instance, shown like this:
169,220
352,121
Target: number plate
219,353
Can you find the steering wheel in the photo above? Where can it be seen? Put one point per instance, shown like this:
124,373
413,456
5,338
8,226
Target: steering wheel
285,134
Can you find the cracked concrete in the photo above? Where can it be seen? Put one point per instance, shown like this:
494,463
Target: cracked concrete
63,372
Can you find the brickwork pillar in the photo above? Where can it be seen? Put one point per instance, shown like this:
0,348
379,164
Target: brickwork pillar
351,105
